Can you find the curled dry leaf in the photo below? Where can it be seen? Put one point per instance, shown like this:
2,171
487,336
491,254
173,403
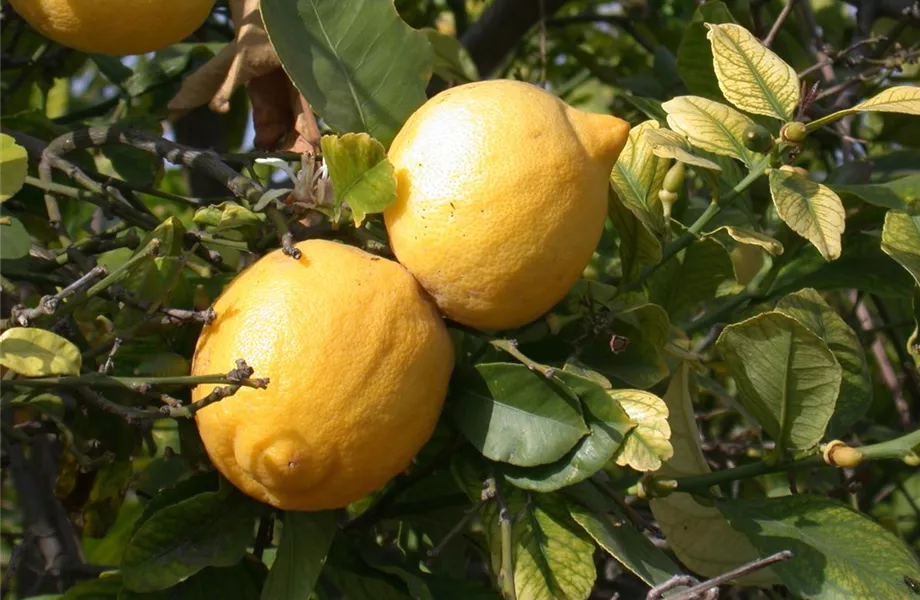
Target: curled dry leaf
282,118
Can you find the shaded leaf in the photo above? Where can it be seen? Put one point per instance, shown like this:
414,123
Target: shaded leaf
14,166
359,65
900,194
683,283
711,126
901,240
34,352
607,422
241,581
514,415
305,541
670,144
452,62
637,247
751,76
810,209
787,377
839,553
637,177
751,238
694,55
647,445
362,177
809,308
698,534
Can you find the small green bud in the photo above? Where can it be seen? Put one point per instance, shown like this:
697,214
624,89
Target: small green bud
793,132
794,170
667,201
757,139
839,454
674,178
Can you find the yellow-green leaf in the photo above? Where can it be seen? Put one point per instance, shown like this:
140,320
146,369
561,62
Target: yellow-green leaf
699,534
751,238
637,246
901,240
14,165
810,209
710,125
34,352
362,176
751,76
901,99
670,144
647,445
637,178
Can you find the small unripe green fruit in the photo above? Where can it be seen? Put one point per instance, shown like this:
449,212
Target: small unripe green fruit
757,139
674,178
794,132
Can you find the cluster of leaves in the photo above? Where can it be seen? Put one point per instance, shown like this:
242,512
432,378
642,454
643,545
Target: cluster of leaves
670,416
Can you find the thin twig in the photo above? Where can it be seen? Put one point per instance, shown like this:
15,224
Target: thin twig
783,15
709,589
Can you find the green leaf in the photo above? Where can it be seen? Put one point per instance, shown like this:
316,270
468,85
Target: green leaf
305,541
640,365
358,64
899,194
14,166
170,234
552,555
615,534
670,144
514,415
106,587
362,176
711,126
838,553
698,534
913,342
751,238
786,376
637,247
608,423
810,209
694,55
647,445
211,529
901,240
105,498
15,241
751,76
34,352
809,308
452,62
637,177
682,284
241,581
226,216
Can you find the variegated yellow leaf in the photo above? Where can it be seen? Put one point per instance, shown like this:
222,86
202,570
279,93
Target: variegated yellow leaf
647,444
670,144
901,240
751,76
810,209
711,126
751,238
637,178
903,99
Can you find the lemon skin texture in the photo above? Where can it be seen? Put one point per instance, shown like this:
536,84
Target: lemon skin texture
502,198
358,359
115,27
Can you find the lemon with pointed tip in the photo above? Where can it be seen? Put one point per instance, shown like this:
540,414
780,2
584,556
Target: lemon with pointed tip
115,27
358,360
501,198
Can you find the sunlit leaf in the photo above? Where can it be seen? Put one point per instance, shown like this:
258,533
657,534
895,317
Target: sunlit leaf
838,553
34,352
809,308
751,76
751,238
901,240
698,534
711,126
647,445
14,165
810,209
787,377
900,99
670,144
359,65
637,178
362,177
15,241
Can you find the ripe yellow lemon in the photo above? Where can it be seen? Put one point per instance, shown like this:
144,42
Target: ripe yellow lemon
502,197
359,360
116,27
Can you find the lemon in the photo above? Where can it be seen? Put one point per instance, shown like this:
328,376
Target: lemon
358,360
115,27
502,197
